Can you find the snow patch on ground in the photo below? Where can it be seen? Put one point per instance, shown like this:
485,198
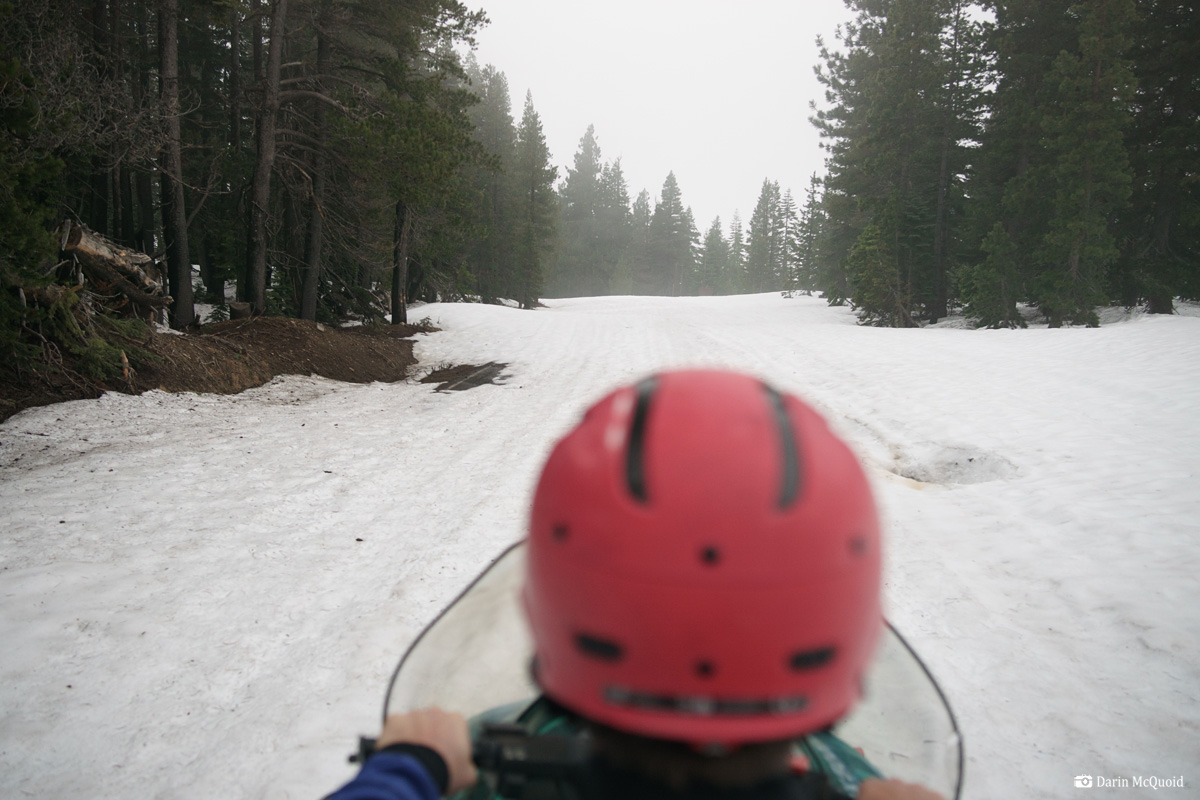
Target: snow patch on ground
203,596
931,462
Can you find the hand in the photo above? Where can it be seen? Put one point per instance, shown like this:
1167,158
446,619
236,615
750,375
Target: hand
440,731
894,790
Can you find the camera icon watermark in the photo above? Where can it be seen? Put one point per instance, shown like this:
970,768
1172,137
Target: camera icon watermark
1083,781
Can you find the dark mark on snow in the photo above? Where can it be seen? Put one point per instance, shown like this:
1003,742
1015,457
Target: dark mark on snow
466,376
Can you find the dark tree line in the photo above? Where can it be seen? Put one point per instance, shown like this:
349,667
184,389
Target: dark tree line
326,157
1044,156
335,158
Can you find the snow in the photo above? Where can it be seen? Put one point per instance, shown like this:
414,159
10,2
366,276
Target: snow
203,596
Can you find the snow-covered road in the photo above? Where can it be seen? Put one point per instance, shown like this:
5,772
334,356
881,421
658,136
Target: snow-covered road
202,596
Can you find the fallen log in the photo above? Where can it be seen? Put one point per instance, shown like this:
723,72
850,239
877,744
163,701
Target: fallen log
110,266
92,248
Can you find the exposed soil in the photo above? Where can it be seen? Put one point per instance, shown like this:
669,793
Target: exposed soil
230,357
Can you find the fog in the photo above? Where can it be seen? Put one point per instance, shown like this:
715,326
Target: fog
718,92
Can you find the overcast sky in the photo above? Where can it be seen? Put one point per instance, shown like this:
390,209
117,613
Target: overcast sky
716,90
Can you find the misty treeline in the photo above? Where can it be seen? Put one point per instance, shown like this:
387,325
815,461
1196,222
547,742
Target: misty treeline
981,157
1044,153
608,244
328,157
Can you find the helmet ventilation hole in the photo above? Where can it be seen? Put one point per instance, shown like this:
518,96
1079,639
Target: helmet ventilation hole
597,648
858,546
710,556
559,532
705,669
810,659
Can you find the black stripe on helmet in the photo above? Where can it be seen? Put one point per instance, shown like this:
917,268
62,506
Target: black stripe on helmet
635,454
789,485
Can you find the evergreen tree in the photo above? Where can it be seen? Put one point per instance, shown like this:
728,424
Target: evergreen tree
735,272
576,270
535,207
789,245
714,260
614,225
1090,177
764,246
904,111
671,236
689,283
1009,190
879,295
990,290
1160,233
636,273
808,232
491,253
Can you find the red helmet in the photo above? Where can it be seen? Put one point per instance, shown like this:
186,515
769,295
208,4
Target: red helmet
704,564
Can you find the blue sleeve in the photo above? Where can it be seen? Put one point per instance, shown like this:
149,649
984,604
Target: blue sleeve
390,776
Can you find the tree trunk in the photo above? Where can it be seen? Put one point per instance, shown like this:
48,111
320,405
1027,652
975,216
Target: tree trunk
403,235
235,81
183,311
260,199
295,238
316,233
101,177
129,233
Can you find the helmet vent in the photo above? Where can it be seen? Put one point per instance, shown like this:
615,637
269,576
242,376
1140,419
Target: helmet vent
711,556
858,546
600,649
705,669
559,532
811,659
789,488
635,467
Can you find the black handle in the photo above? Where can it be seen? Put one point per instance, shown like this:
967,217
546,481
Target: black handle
520,760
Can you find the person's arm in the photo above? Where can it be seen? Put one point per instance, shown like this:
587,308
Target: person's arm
894,790
420,755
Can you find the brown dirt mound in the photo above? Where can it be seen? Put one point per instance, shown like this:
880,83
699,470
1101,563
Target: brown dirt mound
230,357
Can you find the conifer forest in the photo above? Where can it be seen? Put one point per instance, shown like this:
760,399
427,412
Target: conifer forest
338,159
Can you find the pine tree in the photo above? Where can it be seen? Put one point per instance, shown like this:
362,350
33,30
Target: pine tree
990,289
789,245
671,234
491,253
575,270
735,273
1090,178
1160,233
764,246
1008,188
903,112
880,297
810,224
613,222
636,273
536,206
714,260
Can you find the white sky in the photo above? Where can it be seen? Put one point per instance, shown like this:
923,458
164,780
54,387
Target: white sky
716,90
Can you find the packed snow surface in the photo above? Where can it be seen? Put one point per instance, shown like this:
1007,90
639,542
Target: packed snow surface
202,596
